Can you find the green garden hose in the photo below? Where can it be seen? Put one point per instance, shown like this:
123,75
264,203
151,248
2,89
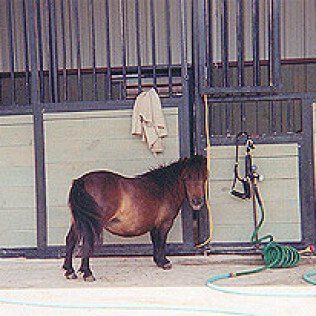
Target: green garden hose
274,256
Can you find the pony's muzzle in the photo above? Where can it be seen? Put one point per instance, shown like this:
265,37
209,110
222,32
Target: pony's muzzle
197,203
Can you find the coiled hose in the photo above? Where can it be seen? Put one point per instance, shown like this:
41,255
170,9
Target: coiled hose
274,256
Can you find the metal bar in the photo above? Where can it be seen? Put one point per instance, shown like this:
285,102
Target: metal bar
224,42
255,43
26,55
288,117
257,119
91,10
185,121
39,150
71,57
108,83
153,42
79,81
273,116
63,34
183,31
240,41
53,51
270,42
238,90
40,49
269,97
101,105
138,52
200,45
16,110
9,7
169,49
123,47
275,41
47,18
209,41
262,139
243,117
306,172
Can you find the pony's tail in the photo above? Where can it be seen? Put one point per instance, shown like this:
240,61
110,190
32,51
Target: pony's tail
85,213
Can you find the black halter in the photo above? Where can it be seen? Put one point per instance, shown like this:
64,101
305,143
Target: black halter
249,168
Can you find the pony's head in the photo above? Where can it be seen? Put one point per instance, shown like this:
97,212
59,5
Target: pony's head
194,175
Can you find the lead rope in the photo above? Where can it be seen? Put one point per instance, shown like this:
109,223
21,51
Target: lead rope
207,184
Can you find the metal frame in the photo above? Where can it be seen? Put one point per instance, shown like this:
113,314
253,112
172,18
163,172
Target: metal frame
304,140
37,108
204,48
190,106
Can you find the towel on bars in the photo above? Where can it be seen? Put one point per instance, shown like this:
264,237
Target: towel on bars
148,120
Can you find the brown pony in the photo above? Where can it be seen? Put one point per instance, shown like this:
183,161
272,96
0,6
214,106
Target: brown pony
131,207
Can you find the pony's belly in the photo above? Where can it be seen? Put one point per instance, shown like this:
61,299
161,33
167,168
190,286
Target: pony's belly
128,226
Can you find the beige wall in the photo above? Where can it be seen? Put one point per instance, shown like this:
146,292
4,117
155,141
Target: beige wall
280,192
80,142
17,204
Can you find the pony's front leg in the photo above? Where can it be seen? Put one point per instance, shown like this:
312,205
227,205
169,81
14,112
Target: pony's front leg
159,237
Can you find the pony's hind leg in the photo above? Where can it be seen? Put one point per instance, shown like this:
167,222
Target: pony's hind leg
159,237
87,250
71,241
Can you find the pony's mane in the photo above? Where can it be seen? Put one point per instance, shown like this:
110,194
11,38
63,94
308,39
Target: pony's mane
165,175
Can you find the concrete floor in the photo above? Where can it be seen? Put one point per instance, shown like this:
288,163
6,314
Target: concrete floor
139,281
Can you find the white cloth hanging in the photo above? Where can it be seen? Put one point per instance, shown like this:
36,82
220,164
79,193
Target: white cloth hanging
148,120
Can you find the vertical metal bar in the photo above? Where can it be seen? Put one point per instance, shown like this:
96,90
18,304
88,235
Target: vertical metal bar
40,49
123,47
306,172
63,34
240,41
224,42
209,39
71,57
243,117
169,49
153,42
257,119
184,49
270,83
9,7
77,30
138,52
199,35
108,83
275,42
255,43
46,17
209,50
53,50
39,149
270,50
26,55
288,116
91,9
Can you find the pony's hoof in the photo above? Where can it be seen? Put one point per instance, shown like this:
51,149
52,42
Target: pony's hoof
71,275
167,266
89,278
